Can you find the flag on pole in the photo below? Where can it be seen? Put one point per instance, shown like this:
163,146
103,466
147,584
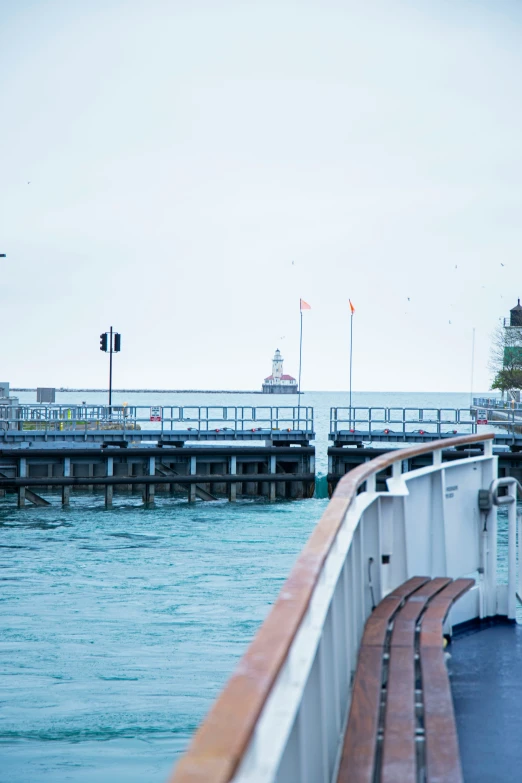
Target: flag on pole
352,308
304,305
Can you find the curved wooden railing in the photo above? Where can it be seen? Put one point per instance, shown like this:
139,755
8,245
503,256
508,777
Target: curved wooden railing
220,742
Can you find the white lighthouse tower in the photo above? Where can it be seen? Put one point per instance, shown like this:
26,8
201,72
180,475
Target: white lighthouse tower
277,366
278,382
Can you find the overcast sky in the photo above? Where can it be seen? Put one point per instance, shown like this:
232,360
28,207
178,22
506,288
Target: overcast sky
162,164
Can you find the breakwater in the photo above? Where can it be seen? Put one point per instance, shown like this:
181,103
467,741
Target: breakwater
67,390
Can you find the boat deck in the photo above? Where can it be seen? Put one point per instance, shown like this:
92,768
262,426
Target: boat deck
485,674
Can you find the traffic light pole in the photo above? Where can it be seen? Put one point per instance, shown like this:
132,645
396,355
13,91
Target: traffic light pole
114,346
110,369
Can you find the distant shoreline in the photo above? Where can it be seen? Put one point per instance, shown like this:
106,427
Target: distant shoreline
151,391
246,391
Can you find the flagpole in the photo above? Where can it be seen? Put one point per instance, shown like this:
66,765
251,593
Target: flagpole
472,366
351,351
300,358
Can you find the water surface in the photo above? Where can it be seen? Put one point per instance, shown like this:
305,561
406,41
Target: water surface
120,626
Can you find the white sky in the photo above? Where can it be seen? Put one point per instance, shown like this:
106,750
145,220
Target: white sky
181,154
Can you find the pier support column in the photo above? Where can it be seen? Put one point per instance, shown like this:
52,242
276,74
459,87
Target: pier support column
171,487
22,472
251,487
90,473
232,488
66,491
123,469
192,487
109,488
218,488
311,466
272,485
148,489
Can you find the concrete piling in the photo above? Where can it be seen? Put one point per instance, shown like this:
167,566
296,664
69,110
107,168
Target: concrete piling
66,489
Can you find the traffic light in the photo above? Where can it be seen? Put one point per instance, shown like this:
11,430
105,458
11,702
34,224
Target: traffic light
103,342
117,342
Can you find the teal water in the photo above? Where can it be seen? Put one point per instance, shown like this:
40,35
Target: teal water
120,627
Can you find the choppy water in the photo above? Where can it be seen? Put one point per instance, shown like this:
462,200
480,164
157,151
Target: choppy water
119,627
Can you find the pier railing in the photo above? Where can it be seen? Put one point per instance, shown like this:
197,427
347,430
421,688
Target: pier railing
428,421
229,420
493,403
281,716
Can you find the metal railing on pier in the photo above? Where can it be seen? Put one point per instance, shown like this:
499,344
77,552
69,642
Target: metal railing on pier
493,403
403,421
230,421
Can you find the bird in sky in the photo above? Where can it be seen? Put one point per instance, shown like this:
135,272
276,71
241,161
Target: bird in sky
449,322
293,263
455,266
30,183
408,299
501,264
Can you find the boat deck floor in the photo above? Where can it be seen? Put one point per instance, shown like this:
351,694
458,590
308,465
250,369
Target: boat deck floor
486,680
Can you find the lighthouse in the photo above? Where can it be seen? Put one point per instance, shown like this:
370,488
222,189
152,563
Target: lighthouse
277,366
278,382
512,359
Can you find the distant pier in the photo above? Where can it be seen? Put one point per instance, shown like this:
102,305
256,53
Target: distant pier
202,451
213,452
359,434
71,390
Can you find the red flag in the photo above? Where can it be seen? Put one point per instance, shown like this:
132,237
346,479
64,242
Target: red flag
352,308
304,305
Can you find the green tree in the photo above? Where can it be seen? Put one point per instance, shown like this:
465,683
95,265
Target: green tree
506,359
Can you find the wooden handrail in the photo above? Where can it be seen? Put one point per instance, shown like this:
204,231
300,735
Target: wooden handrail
220,742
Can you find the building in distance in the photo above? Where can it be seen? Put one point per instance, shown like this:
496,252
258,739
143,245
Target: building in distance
278,382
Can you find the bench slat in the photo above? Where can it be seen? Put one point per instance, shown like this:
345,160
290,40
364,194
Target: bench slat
406,620
442,748
399,760
429,600
377,623
432,622
358,758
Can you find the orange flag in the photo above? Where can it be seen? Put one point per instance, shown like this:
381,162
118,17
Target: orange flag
304,305
352,308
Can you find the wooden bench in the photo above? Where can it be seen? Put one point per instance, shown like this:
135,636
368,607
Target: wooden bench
401,725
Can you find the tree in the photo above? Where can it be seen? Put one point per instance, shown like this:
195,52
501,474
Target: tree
507,380
506,358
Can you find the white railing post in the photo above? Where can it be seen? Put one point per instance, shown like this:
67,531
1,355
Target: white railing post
489,540
519,594
370,483
512,552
